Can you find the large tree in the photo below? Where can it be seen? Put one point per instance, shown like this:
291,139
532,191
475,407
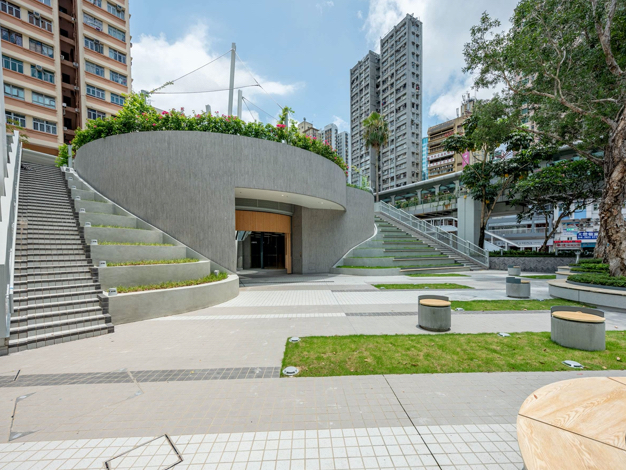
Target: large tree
565,61
568,186
376,136
487,178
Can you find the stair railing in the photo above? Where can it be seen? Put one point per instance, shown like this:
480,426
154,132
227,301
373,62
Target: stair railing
460,246
9,194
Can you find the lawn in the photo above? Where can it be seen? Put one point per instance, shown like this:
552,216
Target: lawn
318,356
438,275
541,276
445,285
491,305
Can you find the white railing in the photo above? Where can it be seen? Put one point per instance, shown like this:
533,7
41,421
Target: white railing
463,247
9,182
490,236
504,231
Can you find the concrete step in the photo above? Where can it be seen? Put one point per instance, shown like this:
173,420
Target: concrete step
50,275
59,337
47,327
442,269
41,307
32,292
396,263
26,283
24,267
56,316
36,299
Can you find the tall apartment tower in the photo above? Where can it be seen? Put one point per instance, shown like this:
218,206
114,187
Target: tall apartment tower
64,62
398,98
343,149
364,99
329,134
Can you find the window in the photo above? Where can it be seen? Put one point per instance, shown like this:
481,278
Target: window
113,54
36,20
44,100
117,99
116,10
37,72
45,126
46,2
97,3
117,34
41,48
10,8
91,21
94,45
13,91
11,36
15,119
95,69
13,64
117,78
95,92
95,114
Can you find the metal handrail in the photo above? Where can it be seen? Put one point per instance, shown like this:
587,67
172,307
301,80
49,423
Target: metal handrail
10,168
463,247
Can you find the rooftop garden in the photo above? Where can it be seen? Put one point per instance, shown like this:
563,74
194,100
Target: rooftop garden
138,116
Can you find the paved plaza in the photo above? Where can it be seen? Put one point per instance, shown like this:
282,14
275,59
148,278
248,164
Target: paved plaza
209,379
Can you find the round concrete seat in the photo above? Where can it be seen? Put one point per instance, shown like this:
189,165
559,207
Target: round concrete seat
434,313
517,288
435,303
514,270
581,329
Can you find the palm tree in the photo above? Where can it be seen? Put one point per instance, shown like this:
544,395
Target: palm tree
376,136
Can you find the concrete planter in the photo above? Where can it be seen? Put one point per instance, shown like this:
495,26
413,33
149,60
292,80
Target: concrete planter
107,219
536,264
600,296
114,276
390,262
122,235
121,253
514,271
138,306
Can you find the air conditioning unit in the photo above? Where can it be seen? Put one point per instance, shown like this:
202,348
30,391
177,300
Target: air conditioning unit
62,57
119,7
36,14
96,42
64,128
39,68
65,105
76,88
77,110
75,64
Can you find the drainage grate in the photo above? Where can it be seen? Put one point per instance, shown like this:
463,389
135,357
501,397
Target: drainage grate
159,454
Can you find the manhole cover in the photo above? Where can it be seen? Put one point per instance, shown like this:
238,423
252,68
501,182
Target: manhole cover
295,339
290,370
161,451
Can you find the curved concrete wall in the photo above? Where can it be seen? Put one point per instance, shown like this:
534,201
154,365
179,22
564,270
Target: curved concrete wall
184,184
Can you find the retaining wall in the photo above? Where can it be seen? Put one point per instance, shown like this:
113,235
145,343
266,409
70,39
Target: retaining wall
536,264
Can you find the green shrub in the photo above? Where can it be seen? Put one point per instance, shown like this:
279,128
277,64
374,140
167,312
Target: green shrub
137,116
587,261
173,284
529,254
601,279
591,268
63,156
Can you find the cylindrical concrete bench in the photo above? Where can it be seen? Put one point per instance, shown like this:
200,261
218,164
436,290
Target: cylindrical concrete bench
578,327
514,270
517,288
434,312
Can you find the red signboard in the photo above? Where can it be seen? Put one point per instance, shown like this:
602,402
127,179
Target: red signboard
567,243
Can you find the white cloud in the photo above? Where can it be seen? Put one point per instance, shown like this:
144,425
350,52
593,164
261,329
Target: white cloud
359,14
341,124
321,6
446,25
157,59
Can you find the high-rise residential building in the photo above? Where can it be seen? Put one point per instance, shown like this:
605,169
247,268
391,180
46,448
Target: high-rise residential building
64,62
396,94
364,100
329,135
442,162
343,149
307,128
424,158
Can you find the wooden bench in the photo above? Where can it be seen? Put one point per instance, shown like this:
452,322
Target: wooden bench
583,328
434,312
574,425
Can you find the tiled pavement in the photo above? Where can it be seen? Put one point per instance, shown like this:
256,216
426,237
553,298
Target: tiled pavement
193,377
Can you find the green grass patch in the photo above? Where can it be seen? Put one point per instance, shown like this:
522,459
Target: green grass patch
135,244
145,262
401,267
438,275
171,285
445,285
318,356
541,276
493,305
117,226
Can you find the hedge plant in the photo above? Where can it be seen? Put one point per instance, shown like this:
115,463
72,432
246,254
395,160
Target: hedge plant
602,279
138,116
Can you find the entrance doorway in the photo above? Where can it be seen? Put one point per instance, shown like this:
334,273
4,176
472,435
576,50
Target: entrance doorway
267,250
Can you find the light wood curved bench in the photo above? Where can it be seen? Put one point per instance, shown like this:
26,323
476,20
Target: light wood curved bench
575,424
435,303
578,316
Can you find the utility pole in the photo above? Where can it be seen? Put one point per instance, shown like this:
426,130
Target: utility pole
231,88
239,103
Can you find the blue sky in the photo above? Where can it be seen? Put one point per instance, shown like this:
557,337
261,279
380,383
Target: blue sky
301,51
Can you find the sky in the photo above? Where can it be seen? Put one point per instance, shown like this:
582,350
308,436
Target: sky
299,51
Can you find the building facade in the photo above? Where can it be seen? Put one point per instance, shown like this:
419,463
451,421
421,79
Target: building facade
343,149
424,158
308,129
364,99
64,62
329,134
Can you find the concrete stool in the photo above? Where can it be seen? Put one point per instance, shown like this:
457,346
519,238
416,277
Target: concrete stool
578,327
434,312
514,270
517,288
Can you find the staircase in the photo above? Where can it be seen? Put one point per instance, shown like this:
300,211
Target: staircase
393,251
55,295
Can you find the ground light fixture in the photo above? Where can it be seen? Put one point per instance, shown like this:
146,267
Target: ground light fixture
82,211
87,224
73,187
112,291
294,339
216,273
94,242
504,334
573,364
102,264
291,370
77,198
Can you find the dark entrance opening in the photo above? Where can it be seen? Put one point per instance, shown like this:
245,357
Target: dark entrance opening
267,250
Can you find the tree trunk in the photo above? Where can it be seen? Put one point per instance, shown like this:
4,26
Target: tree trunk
612,225
481,238
376,174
